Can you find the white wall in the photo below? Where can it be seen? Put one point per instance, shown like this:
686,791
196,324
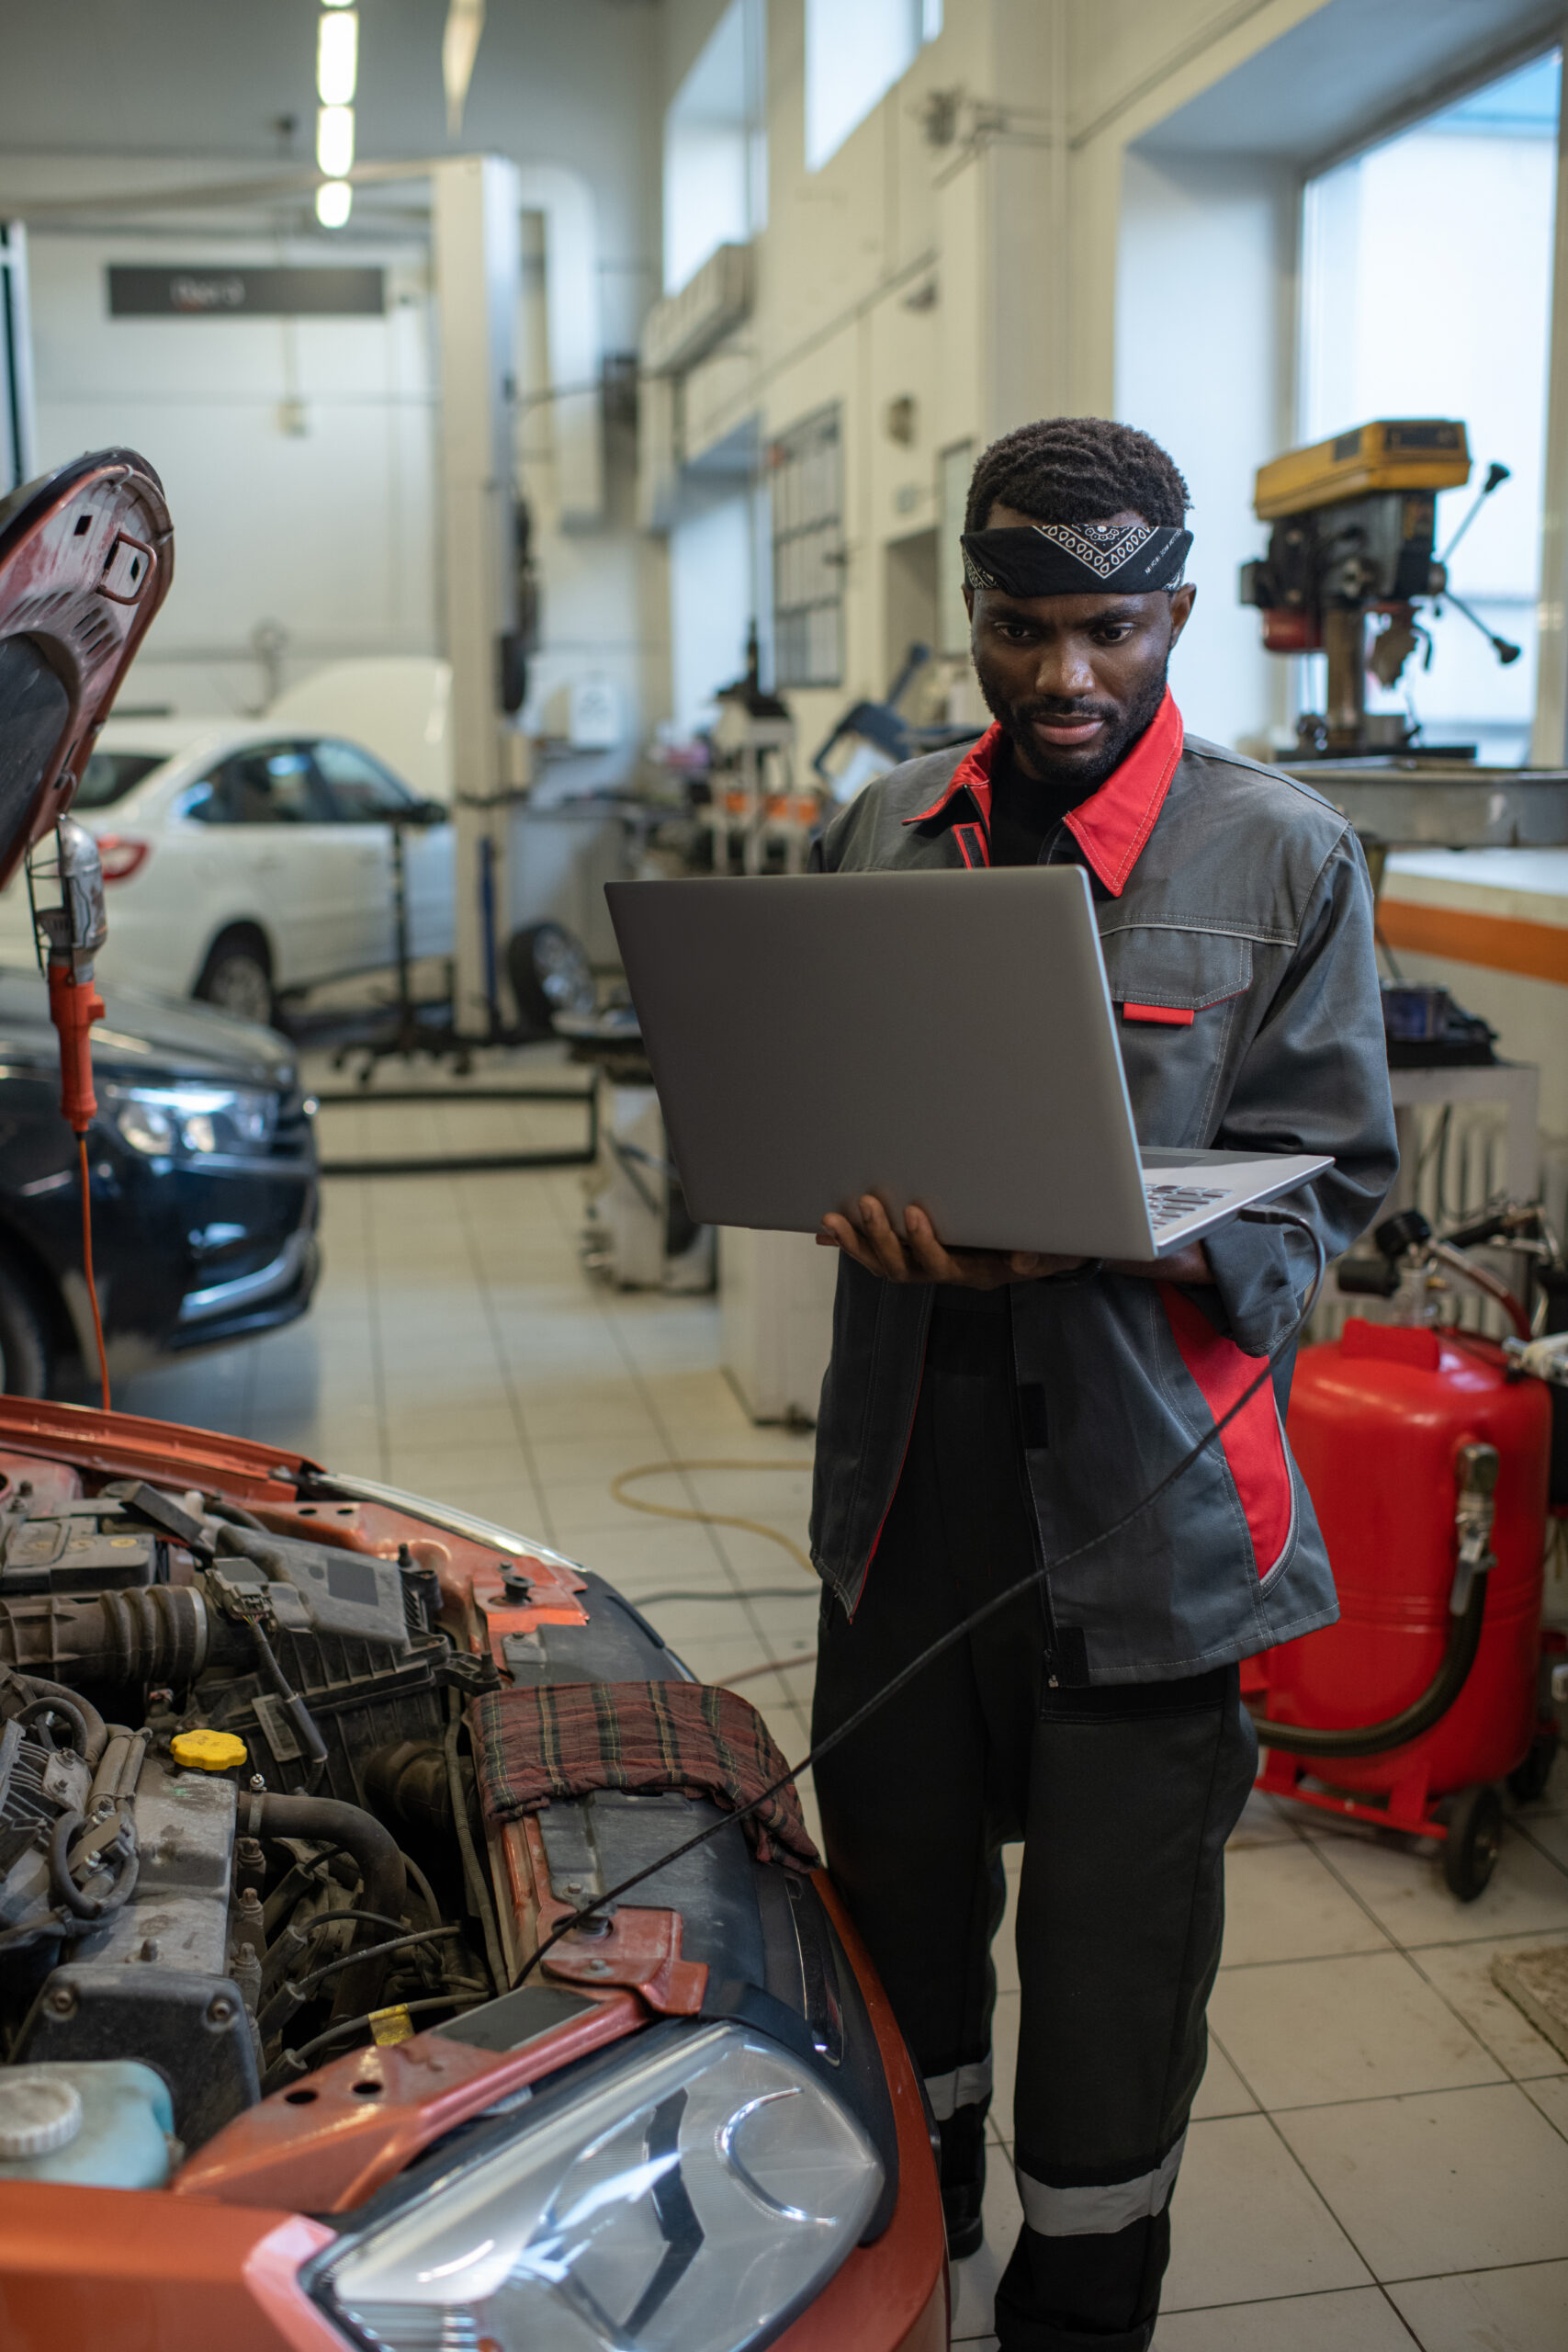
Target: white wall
325,532
711,604
1204,294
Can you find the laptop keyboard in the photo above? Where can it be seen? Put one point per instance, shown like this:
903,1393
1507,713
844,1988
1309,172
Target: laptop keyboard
1169,1202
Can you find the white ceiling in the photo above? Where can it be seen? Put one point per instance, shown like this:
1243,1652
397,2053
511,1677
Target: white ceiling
1347,70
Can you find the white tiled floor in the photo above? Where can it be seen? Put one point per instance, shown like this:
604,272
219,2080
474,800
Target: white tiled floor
1379,2150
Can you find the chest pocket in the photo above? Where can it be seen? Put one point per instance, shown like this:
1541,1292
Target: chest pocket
1167,977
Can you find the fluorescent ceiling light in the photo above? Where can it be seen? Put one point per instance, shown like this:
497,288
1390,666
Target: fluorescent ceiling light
335,201
459,47
337,56
334,141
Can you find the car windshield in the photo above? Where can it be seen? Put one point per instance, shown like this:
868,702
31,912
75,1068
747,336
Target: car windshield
109,775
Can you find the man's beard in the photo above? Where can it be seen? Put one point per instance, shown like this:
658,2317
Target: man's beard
1086,775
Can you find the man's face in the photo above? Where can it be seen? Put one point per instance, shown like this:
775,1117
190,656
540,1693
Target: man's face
1073,680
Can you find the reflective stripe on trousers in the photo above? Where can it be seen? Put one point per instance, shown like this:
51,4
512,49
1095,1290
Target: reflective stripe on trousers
965,2086
1100,2210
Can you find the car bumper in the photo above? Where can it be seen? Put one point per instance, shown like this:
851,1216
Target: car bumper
275,1292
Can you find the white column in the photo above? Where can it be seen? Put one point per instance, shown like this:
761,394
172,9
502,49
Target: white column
1549,741
478,273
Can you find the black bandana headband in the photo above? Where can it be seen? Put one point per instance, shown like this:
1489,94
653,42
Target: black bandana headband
1076,559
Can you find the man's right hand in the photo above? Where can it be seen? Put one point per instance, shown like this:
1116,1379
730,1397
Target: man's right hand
871,1239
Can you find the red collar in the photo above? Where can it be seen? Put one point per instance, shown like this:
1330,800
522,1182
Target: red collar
1111,826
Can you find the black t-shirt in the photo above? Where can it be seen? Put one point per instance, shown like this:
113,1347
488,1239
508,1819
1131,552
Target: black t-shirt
1025,813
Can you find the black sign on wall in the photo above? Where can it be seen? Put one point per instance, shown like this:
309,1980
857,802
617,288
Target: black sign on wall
202,291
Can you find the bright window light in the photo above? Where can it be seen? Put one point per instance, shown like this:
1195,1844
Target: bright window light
335,201
855,51
334,141
337,57
715,146
1391,326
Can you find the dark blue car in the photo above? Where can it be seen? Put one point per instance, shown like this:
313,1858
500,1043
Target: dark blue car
205,1195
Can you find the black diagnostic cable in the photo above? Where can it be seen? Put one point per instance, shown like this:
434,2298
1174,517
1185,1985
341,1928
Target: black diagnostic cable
986,1610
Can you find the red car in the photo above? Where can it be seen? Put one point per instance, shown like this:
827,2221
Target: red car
285,2061
398,2151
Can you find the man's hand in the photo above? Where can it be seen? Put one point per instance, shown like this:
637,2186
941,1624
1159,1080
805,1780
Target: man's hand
870,1238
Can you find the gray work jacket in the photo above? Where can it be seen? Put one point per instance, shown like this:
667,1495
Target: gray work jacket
1235,915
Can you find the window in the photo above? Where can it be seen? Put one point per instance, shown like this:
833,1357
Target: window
274,785
855,51
361,791
1426,278
715,146
808,553
109,775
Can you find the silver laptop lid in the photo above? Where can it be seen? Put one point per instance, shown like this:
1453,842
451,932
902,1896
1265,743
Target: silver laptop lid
942,1038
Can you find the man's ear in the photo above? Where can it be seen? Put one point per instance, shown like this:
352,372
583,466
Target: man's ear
969,600
1181,604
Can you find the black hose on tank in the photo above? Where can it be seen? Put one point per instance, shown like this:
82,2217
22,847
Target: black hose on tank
1376,1739
1476,1466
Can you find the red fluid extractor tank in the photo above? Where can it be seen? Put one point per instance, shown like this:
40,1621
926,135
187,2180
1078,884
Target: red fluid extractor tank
1427,1459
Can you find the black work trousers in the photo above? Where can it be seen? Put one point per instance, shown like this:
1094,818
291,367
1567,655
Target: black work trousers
1123,1796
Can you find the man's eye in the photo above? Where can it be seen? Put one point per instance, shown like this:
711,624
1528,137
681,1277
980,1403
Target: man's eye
1016,632
1113,632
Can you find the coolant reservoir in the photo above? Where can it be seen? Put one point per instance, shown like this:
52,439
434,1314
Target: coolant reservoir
104,2123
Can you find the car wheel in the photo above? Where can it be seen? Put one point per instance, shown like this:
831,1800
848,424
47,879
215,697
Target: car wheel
24,1341
237,977
550,972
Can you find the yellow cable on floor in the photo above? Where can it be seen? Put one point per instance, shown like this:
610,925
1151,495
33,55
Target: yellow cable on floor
707,1518
719,1519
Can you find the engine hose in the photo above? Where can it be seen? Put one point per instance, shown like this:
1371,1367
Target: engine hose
143,1634
479,1893
41,1688
55,1702
1375,1739
89,1908
311,1743
297,1990
326,1821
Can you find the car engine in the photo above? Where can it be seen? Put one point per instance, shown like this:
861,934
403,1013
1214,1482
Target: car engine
234,1820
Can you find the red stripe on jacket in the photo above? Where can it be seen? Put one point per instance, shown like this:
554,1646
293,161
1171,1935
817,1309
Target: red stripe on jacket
1252,1445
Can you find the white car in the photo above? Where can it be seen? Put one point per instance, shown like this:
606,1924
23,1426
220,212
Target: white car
245,861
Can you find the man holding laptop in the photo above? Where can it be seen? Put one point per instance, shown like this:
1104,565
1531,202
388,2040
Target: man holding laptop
987,1410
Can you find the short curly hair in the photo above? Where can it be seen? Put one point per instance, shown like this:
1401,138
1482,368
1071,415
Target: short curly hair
1075,469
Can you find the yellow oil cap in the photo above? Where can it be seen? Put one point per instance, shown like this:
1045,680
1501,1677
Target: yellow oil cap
207,1751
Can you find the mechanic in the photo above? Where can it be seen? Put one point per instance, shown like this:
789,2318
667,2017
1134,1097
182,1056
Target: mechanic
984,1413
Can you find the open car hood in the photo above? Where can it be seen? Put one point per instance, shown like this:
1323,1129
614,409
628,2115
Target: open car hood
86,557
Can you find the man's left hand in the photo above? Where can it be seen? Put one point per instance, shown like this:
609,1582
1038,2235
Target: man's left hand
918,1255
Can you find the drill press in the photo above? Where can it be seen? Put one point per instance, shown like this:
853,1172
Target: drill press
1352,540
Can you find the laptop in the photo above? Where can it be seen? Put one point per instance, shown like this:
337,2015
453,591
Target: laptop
943,1039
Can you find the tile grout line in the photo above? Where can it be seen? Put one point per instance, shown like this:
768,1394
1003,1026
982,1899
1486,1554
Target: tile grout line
1292,2158
1410,1951
372,1278
508,1382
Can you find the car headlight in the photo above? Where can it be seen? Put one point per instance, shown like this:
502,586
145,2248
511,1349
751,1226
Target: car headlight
691,2200
162,1120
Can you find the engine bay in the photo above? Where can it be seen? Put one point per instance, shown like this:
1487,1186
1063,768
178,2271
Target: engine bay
227,1787
242,1845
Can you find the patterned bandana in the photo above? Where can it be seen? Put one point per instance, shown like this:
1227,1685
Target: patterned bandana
1074,558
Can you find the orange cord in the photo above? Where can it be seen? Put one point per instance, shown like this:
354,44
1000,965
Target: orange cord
87,1269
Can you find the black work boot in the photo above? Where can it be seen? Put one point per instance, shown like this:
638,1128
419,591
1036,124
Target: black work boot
964,2181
